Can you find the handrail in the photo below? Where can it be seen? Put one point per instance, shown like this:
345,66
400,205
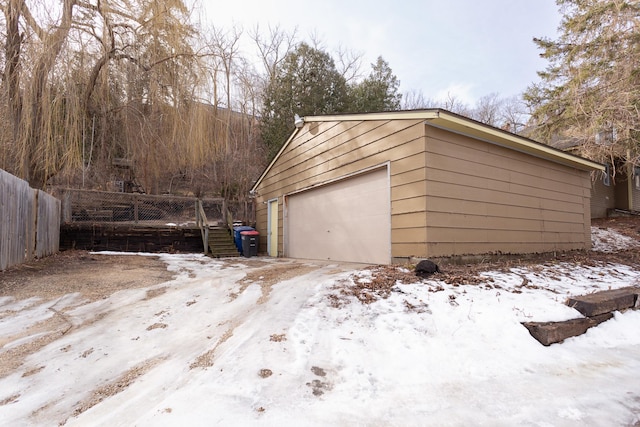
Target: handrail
229,220
226,216
203,224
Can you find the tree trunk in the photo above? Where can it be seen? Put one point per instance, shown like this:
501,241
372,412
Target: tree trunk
13,46
36,170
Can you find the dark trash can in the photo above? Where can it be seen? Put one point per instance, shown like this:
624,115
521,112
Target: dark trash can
250,240
236,235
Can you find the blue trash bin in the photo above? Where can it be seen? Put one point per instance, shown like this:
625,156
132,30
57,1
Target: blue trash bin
237,238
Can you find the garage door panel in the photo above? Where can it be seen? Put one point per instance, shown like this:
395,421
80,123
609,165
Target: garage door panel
344,221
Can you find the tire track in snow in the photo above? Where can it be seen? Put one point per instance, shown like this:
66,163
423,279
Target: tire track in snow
205,360
114,387
266,278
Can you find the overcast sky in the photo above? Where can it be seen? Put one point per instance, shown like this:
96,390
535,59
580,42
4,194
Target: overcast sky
467,48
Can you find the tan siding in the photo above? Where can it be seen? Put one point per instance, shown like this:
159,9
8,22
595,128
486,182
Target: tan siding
534,187
587,222
477,235
621,190
409,191
488,247
409,235
407,250
485,222
327,160
409,220
441,192
417,204
450,194
408,177
514,170
603,198
635,194
261,224
483,194
456,152
320,150
326,135
327,151
408,163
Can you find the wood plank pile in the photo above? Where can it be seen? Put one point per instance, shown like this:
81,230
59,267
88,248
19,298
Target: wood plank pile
596,308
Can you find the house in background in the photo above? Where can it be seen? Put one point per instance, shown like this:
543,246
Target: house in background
614,191
616,194
392,187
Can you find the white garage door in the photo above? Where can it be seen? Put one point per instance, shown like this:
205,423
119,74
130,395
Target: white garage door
348,220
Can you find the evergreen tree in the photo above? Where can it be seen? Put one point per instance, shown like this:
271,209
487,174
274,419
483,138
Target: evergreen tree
377,92
590,91
306,83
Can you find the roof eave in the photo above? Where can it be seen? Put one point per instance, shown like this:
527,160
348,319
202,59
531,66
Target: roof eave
455,123
488,133
275,158
388,115
393,115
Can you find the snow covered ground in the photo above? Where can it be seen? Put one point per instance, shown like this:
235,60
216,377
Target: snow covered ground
223,344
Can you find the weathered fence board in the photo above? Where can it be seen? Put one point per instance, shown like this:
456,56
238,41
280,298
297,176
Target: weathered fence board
47,225
29,222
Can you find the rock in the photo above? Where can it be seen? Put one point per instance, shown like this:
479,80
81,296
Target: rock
426,268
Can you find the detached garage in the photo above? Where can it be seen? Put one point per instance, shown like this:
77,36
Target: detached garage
388,187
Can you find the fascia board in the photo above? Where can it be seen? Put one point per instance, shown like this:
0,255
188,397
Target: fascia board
497,136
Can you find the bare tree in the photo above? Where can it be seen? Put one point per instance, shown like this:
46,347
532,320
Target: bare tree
224,47
415,100
488,109
273,47
514,115
454,104
27,101
349,64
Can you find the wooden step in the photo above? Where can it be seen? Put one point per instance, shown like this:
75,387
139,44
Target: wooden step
223,252
221,243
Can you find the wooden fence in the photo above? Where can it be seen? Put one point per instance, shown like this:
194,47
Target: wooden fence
90,206
29,222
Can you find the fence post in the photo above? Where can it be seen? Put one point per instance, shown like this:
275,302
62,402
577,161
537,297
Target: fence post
224,211
66,207
135,209
32,229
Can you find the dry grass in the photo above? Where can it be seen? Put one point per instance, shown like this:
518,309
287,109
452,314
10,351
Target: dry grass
385,279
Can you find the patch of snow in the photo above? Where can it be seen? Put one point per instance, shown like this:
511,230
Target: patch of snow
18,317
609,240
208,348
